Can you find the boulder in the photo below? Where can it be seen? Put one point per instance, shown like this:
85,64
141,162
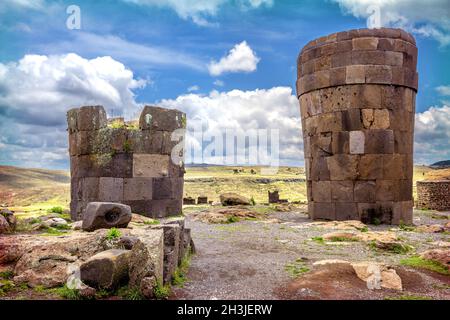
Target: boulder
233,199
147,287
77,225
106,269
439,255
10,218
4,225
100,215
127,242
54,223
378,275
147,256
430,228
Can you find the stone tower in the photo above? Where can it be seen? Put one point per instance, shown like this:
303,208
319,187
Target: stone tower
357,93
130,163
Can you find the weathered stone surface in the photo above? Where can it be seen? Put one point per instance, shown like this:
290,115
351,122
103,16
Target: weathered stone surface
357,141
321,191
4,226
150,165
378,276
137,188
346,211
107,269
343,167
232,199
160,119
439,255
364,191
106,215
433,195
147,256
342,191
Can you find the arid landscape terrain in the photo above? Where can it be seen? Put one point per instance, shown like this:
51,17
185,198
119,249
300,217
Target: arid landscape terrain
261,251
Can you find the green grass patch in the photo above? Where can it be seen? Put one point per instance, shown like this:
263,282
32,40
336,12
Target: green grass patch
179,276
49,232
397,248
408,297
6,286
66,293
232,219
318,240
113,234
343,239
128,293
152,222
57,209
405,227
7,275
420,263
162,291
296,268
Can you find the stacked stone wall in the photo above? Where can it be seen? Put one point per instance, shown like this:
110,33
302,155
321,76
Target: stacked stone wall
130,164
357,93
434,195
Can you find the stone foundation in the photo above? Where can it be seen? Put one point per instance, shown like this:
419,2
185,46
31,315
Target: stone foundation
434,195
112,161
357,94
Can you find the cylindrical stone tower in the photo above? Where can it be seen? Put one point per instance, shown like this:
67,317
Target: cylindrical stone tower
129,163
357,93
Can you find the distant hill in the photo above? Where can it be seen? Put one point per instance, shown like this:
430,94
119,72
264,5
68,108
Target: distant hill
441,164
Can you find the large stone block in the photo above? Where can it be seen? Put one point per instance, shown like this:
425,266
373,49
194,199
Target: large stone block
160,119
91,118
150,165
321,191
322,211
369,43
137,188
365,191
343,167
394,166
387,190
371,167
355,74
357,140
110,189
346,211
100,215
340,142
342,191
379,141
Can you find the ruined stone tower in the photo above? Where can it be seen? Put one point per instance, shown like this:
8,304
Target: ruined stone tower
357,93
130,163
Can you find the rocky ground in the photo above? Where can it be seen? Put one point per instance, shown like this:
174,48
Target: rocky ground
276,252
275,257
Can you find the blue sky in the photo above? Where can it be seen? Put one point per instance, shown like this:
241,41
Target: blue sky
162,52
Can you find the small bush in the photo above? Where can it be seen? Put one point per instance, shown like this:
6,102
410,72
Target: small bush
56,210
318,240
252,201
296,268
130,293
162,291
5,286
113,234
152,222
179,276
67,293
7,275
232,219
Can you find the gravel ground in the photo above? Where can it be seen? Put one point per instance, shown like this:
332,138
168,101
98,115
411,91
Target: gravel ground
249,259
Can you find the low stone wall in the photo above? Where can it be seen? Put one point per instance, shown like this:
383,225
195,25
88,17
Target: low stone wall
433,195
112,161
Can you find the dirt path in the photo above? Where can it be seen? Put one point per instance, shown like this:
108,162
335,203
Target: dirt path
250,260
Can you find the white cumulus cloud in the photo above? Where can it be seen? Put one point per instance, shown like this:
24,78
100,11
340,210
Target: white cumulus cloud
241,58
200,10
36,92
428,18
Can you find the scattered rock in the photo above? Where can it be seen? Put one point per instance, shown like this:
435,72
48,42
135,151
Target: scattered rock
54,223
147,287
284,207
87,292
340,225
430,228
223,215
441,244
378,276
340,236
330,261
106,215
4,225
137,218
447,226
127,242
76,225
439,255
10,218
439,216
378,236
233,199
106,269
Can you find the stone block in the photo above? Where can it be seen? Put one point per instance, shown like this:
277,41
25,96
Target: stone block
88,188
106,270
394,58
100,215
364,191
322,63
379,141
369,43
110,189
160,119
319,169
371,96
405,190
343,167
342,59
328,122
322,79
137,188
342,191
355,74
385,44
346,211
394,166
321,191
356,142
392,97
322,211
351,120
91,118
340,142
166,207
320,145
162,188
378,74
150,165
368,57
403,142
370,167
72,116
387,190
338,76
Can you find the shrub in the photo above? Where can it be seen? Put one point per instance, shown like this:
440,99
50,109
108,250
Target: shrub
56,210
113,234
